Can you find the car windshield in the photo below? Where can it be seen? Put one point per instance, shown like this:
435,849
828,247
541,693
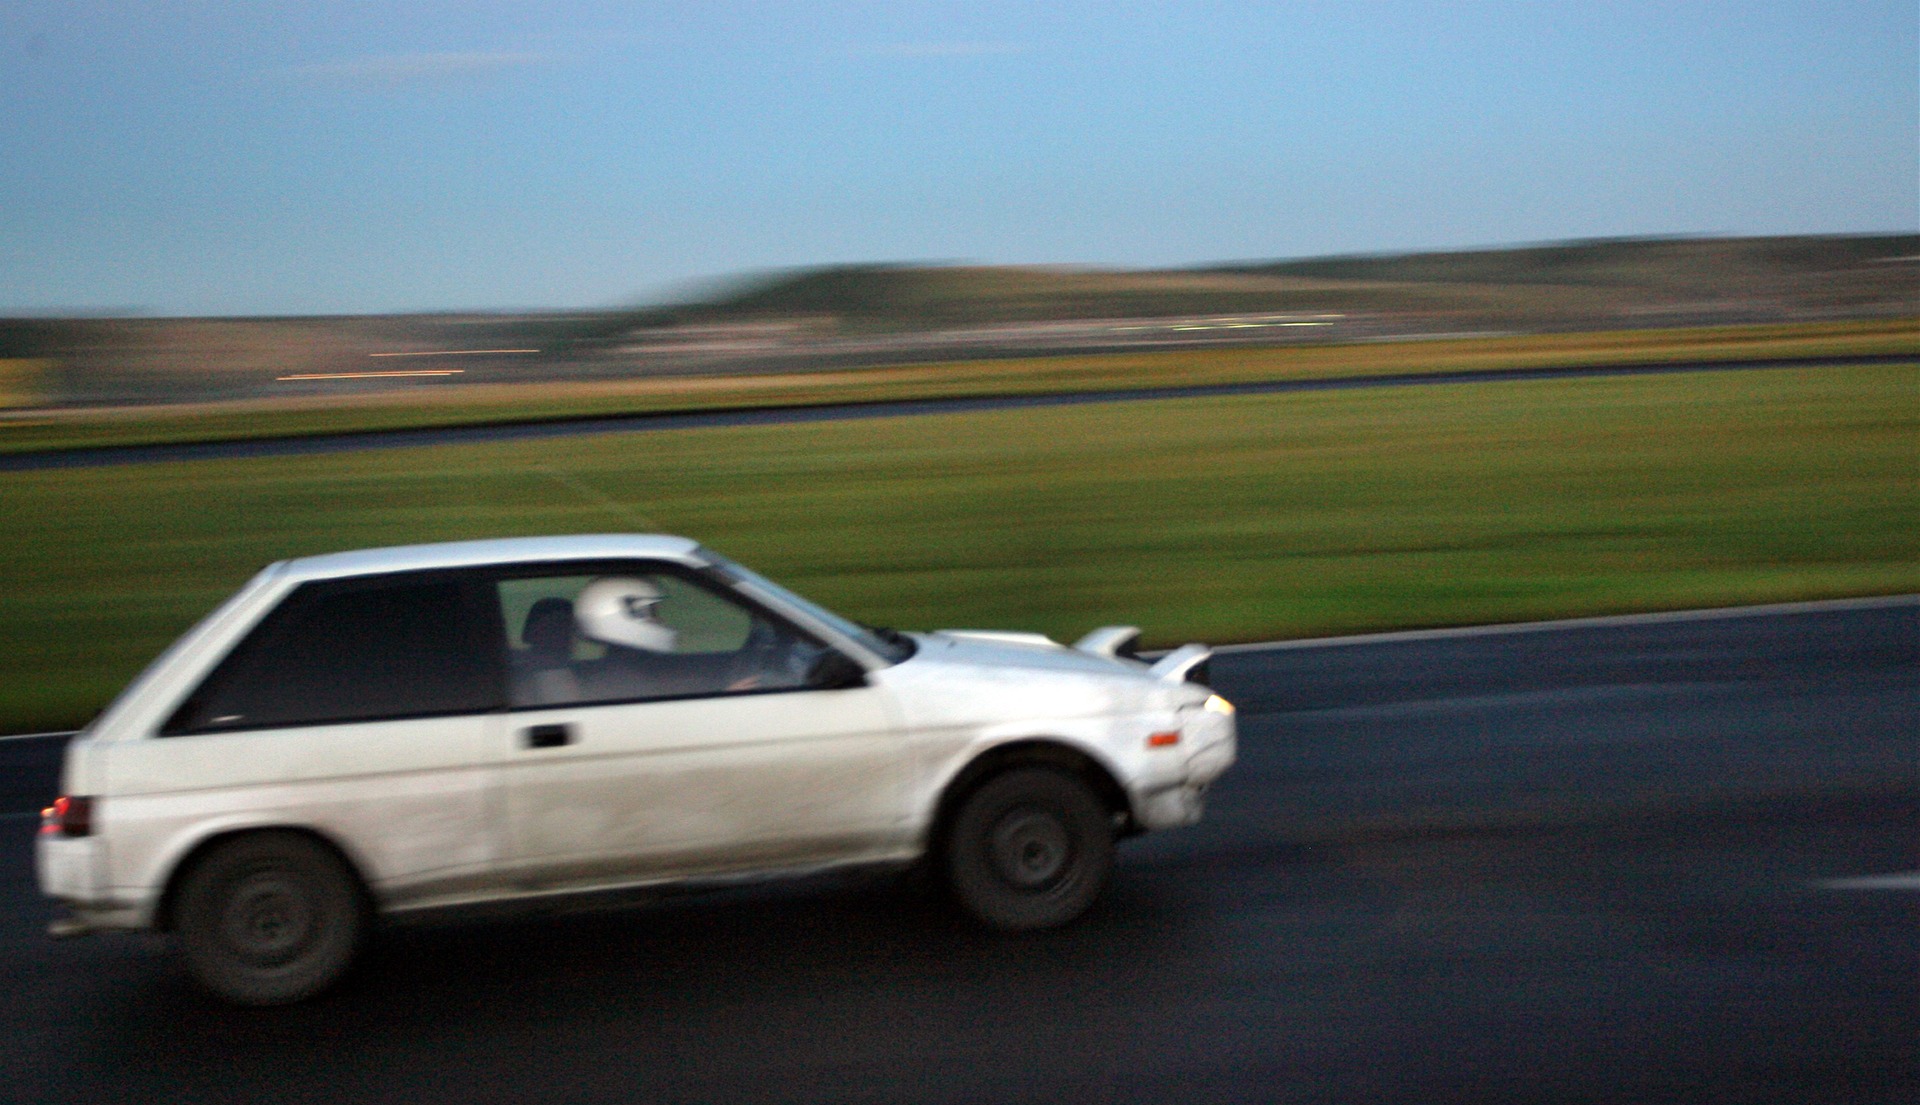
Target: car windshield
893,645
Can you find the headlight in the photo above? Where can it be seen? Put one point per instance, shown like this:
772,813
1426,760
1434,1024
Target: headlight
1218,705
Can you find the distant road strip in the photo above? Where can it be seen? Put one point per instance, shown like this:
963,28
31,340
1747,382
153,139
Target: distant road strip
372,375
1905,880
578,426
406,372
1603,621
453,353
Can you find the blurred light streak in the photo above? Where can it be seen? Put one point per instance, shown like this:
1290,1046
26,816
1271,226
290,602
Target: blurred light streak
368,375
453,353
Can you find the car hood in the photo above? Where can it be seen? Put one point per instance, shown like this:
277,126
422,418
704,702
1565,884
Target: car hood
980,681
1023,651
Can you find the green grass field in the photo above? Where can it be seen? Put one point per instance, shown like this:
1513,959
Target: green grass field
1222,520
450,405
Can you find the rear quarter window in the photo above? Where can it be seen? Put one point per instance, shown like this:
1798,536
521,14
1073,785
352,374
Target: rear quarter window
356,650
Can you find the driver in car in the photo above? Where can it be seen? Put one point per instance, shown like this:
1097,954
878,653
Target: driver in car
622,613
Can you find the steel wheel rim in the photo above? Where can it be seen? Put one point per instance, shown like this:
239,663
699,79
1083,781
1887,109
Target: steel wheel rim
269,919
1030,849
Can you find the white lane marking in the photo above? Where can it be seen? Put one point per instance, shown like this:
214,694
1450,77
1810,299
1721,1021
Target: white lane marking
1905,880
1659,618
35,736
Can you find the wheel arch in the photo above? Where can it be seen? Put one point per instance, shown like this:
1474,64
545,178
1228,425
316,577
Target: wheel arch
1048,752
162,919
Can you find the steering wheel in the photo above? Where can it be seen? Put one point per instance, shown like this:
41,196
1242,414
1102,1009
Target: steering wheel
768,657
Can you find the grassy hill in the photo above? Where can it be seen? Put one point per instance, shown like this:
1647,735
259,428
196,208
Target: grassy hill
1835,269
900,297
1830,274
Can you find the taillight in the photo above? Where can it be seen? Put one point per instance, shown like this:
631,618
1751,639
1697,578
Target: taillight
68,816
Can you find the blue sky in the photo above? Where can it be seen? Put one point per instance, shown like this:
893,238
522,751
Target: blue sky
321,157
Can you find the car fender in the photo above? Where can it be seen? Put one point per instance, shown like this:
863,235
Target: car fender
158,883
940,784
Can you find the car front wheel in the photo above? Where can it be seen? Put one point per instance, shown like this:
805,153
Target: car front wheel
269,918
1030,848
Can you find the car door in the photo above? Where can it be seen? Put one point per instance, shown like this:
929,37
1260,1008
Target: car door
691,735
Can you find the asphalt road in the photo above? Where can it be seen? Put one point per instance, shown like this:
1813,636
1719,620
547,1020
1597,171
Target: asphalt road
1586,864
106,456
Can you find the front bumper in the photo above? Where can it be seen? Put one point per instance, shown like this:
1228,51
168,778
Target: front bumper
1210,742
1171,808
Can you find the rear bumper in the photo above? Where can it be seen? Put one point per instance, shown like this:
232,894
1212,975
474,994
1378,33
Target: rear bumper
70,868
72,871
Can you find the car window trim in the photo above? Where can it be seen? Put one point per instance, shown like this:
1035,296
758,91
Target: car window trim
594,704
856,641
698,576
701,576
471,600
327,723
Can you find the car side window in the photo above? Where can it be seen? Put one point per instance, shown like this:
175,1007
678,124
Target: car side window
408,645
633,632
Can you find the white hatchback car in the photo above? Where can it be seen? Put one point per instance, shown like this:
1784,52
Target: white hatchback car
397,729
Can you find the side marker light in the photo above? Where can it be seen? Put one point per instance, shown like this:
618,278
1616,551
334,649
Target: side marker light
1162,740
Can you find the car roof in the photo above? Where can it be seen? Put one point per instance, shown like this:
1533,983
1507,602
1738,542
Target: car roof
508,550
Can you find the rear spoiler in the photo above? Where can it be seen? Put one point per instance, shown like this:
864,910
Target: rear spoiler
1111,641
1186,664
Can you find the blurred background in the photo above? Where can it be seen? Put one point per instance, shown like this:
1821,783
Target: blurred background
1255,323
265,221
641,187
871,315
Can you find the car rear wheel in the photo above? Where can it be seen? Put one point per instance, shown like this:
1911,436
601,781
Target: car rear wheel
269,918
1030,848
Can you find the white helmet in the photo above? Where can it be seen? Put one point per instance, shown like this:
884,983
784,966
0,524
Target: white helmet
618,610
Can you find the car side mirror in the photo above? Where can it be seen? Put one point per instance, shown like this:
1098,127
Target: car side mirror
834,671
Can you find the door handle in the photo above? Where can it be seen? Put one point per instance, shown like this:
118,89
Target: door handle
547,736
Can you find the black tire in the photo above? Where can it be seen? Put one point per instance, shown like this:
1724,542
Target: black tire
1030,848
269,918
